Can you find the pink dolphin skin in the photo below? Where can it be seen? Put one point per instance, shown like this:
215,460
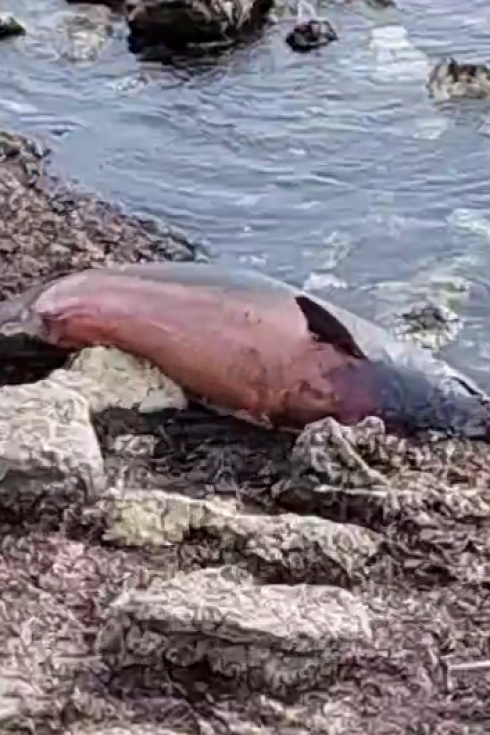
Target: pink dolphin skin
240,345
252,345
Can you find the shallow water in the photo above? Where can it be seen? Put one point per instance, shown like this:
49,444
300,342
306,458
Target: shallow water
333,169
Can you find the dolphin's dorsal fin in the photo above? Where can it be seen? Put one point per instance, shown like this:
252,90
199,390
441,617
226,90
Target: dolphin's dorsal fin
327,328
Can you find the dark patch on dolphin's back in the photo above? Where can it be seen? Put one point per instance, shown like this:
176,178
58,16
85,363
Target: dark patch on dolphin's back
327,328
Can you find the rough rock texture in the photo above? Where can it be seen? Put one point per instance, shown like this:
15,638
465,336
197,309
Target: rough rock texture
113,378
247,625
276,638
299,547
181,23
46,435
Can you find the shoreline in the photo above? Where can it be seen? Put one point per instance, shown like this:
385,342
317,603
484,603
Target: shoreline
49,226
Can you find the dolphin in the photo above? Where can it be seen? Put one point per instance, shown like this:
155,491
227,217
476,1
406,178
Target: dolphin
253,345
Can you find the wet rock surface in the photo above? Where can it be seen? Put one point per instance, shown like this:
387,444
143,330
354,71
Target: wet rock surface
180,24
165,570
10,27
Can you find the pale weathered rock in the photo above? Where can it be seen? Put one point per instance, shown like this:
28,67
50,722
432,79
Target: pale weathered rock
274,637
180,23
110,377
46,435
298,546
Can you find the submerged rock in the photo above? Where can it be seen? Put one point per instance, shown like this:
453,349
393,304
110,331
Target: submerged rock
10,27
82,35
451,79
278,638
186,23
430,324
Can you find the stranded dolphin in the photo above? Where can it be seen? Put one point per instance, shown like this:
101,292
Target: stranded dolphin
253,345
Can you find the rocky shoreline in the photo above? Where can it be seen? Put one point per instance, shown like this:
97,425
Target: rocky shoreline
167,571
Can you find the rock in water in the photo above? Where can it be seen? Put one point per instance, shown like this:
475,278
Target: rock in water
10,27
192,23
311,34
450,79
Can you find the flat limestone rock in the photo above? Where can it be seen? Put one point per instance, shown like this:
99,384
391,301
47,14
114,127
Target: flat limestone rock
109,377
46,435
290,544
274,637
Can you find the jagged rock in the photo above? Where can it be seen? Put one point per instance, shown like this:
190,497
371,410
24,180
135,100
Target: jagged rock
181,23
109,377
298,547
277,638
329,449
47,446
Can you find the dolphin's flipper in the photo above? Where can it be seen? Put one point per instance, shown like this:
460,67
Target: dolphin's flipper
326,327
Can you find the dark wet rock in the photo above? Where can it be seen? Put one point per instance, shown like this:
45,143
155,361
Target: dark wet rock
452,79
189,23
114,5
285,547
275,637
311,34
10,27
380,4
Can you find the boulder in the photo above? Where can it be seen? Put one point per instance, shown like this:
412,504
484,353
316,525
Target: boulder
276,638
185,23
49,453
286,546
